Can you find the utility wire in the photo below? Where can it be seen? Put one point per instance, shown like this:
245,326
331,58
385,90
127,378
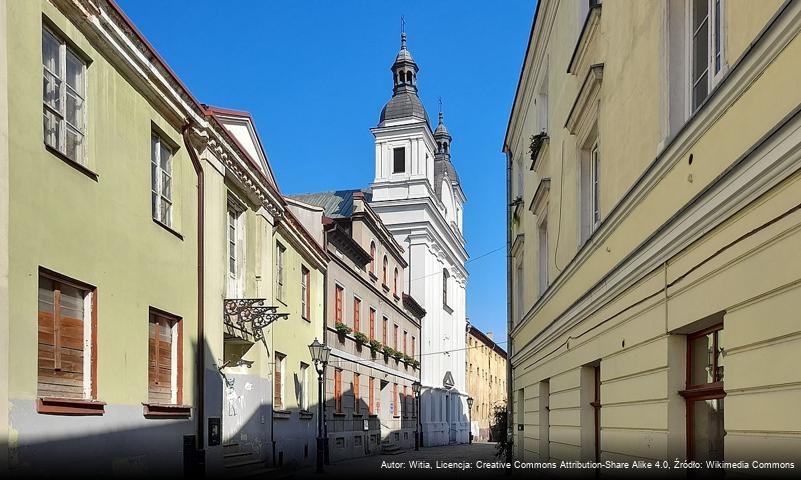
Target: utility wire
471,260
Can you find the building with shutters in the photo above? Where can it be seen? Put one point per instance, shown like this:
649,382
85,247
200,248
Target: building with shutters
372,327
654,227
158,293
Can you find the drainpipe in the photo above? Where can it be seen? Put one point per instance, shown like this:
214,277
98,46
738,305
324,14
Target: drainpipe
509,387
201,341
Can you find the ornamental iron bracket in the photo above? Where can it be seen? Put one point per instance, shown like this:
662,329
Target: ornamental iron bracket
239,312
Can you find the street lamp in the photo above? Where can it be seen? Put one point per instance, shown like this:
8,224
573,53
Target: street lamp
470,409
319,353
416,390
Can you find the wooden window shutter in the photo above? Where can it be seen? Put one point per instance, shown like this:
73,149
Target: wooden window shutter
338,304
160,359
61,339
357,307
278,403
356,400
370,395
338,390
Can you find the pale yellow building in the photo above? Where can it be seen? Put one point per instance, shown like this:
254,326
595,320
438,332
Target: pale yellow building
486,382
654,232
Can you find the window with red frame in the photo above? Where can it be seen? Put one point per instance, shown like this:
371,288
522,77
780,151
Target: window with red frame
384,331
357,311
357,408
338,307
371,396
704,394
386,264
338,390
372,323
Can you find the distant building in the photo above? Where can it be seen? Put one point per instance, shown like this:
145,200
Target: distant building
372,327
486,381
653,157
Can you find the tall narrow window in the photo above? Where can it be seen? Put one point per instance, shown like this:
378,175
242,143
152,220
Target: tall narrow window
278,384
595,187
384,331
704,394
232,240
303,394
372,323
405,335
164,365
518,297
706,23
394,407
161,180
395,337
357,409
542,234
413,342
395,283
384,273
338,390
339,292
65,312
371,396
280,251
372,258
357,311
596,407
305,293
405,409
64,89
590,187
398,160
445,276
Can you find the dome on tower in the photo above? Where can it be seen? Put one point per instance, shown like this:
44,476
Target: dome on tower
404,104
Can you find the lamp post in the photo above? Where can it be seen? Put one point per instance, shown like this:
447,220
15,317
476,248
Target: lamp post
319,353
416,386
470,410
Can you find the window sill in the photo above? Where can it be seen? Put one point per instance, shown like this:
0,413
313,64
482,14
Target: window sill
357,415
305,415
305,318
69,406
385,287
165,410
72,163
340,414
282,414
373,276
168,228
395,295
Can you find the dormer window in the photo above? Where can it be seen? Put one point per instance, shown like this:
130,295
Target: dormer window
398,160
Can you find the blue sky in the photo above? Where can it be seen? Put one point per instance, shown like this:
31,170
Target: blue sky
315,76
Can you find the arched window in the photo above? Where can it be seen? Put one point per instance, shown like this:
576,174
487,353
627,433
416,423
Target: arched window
408,77
445,276
372,258
395,282
384,276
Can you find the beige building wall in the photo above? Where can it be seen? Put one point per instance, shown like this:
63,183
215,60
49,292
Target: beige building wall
486,382
698,219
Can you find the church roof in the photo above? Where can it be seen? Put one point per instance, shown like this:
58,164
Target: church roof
335,204
443,166
404,105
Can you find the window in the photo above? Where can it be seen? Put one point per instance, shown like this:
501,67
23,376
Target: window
384,331
357,311
303,395
398,160
395,337
590,188
445,276
164,359
542,232
518,281
704,395
405,334
278,384
395,282
161,180
338,390
356,399
279,270
305,293
64,97
371,396
405,409
372,258
384,276
706,62
66,338
234,234
372,323
233,215
413,341
339,293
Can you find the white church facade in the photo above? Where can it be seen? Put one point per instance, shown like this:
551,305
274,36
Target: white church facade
417,194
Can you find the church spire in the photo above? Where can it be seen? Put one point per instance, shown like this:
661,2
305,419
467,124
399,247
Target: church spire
404,70
442,137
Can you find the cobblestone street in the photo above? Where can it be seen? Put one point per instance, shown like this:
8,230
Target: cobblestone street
452,461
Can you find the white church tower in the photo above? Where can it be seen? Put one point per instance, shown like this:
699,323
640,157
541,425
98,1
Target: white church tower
417,194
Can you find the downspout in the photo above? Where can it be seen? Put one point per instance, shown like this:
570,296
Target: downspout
509,386
201,341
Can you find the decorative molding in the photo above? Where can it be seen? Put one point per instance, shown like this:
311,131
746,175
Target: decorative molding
540,196
541,151
579,59
588,95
